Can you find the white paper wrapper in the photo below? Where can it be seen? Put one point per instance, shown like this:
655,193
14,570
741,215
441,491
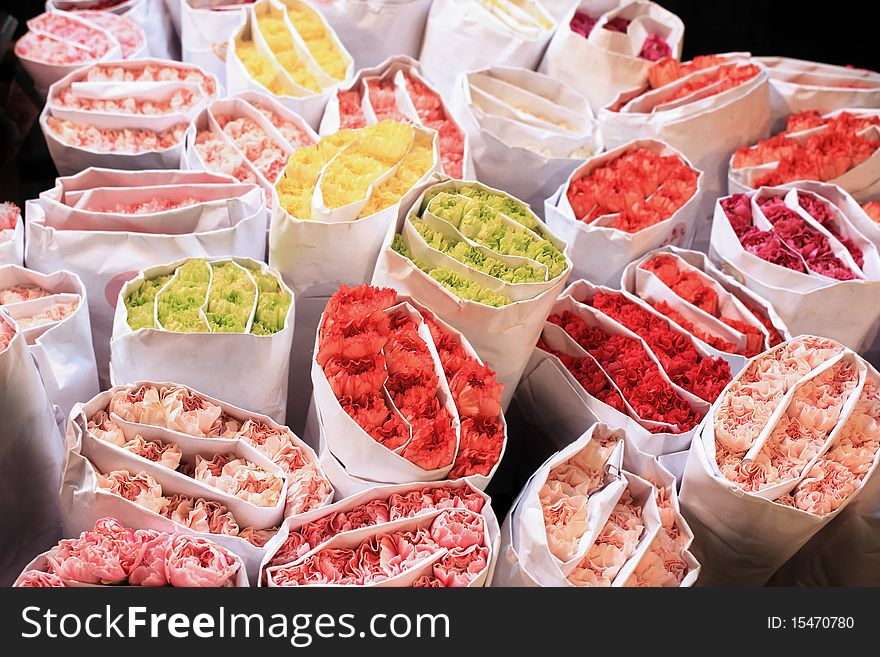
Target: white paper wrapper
374,30
62,350
736,117
83,502
600,254
105,259
31,453
517,115
797,85
41,564
862,181
248,370
471,34
607,62
525,558
394,68
503,337
806,303
205,28
309,104
743,538
355,536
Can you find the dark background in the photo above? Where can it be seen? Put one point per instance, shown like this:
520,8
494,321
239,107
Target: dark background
838,33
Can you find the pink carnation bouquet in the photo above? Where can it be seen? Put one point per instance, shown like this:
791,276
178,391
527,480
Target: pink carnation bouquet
112,554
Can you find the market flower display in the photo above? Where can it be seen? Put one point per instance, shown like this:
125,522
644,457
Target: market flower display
586,519
798,429
129,34
377,511
812,147
704,376
33,307
113,554
653,47
638,189
451,548
365,170
210,297
486,231
130,141
793,241
802,247
651,396
697,294
375,352
124,419
290,50
65,39
399,93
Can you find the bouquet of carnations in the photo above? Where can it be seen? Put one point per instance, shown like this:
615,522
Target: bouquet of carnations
11,235
798,86
249,136
604,48
345,190
58,43
467,35
436,535
106,225
619,205
481,261
377,29
629,366
791,442
517,115
800,248
163,456
401,396
52,314
397,91
190,321
112,554
725,96
30,455
841,148
124,114
288,49
149,18
720,313
205,29
597,513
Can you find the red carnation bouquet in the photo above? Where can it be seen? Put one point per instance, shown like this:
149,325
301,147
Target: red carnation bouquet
672,83
705,303
624,203
802,247
401,396
842,148
634,368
